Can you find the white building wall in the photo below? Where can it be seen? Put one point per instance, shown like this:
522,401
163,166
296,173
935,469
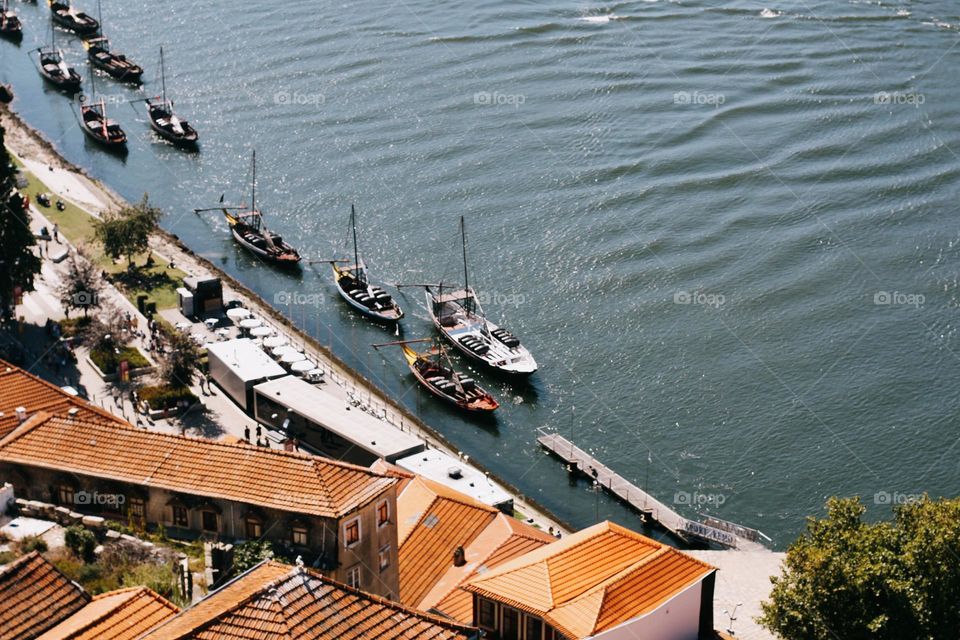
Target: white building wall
676,619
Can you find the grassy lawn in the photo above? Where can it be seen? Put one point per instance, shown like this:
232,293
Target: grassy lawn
157,281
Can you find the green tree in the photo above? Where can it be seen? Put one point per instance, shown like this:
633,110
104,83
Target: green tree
250,553
181,363
856,580
126,233
82,284
18,263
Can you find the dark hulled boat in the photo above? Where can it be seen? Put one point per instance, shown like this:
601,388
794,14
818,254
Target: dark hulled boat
10,25
54,70
164,121
433,371
355,287
250,232
100,128
116,65
63,14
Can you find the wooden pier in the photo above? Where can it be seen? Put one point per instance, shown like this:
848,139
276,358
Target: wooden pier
720,532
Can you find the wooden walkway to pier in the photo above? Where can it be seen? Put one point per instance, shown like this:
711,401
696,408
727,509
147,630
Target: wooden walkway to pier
717,531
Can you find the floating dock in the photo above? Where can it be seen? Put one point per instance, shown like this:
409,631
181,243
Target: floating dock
721,532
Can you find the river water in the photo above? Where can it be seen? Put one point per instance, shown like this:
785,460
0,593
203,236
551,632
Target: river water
725,230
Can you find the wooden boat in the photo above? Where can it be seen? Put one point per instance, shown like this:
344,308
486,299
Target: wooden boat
63,14
54,70
433,371
164,121
250,232
457,315
100,128
10,25
115,65
355,287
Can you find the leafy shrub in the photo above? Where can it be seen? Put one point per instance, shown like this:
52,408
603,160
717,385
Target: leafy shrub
72,327
109,361
33,543
81,541
163,397
247,555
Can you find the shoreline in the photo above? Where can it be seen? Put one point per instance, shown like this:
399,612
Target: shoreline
28,143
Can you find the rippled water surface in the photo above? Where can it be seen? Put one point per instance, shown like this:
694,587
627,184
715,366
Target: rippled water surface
779,169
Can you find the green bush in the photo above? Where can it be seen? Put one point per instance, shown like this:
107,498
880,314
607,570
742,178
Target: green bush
162,397
81,541
109,361
71,327
33,543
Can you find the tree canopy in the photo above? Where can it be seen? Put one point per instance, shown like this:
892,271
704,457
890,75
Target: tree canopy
126,233
851,579
18,263
81,285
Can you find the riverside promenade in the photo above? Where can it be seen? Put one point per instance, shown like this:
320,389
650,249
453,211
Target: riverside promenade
218,416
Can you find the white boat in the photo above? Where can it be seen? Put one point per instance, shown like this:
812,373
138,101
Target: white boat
457,314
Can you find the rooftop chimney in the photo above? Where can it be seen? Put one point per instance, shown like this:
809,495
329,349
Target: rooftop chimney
459,557
21,414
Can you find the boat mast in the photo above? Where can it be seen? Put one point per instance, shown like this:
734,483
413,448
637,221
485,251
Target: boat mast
356,253
100,17
253,184
466,280
163,80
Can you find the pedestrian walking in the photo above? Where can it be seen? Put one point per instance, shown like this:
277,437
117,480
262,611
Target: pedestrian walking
56,233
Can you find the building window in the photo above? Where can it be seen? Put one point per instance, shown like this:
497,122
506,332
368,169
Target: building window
351,532
353,577
180,518
65,494
510,629
384,557
298,535
208,521
487,617
383,513
534,628
138,509
254,527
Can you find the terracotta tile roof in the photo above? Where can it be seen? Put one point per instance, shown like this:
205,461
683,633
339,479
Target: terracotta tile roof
389,469
433,521
592,580
21,389
288,481
504,539
275,602
124,614
35,596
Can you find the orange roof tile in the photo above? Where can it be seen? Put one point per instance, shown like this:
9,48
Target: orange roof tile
504,539
124,614
274,601
389,469
35,596
442,520
592,580
288,481
21,389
